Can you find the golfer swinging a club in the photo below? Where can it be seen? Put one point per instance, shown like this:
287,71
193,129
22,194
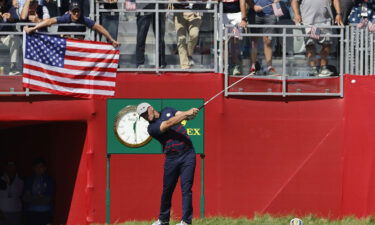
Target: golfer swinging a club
165,126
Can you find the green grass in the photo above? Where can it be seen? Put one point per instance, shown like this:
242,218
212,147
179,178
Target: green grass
267,220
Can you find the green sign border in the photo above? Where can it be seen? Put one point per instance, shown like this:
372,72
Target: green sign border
114,146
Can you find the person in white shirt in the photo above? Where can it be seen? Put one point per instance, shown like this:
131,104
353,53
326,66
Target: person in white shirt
10,196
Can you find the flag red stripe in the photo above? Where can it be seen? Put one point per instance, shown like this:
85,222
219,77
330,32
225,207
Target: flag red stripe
54,73
69,85
90,68
86,59
66,93
88,50
87,41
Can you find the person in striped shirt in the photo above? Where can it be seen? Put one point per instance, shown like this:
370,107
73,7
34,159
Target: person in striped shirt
74,15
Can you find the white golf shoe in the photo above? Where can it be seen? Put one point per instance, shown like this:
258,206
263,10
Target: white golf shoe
182,223
159,222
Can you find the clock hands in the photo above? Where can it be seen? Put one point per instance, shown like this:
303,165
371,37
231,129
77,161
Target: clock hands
130,129
135,129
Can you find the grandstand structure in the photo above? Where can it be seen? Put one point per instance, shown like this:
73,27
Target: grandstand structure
352,51
268,141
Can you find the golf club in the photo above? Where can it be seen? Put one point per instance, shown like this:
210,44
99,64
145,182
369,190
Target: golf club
250,74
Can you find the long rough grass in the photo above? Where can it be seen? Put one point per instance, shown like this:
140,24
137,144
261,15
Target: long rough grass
267,220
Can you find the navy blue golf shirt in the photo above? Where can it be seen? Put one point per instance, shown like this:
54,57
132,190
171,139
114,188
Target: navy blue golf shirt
67,18
175,139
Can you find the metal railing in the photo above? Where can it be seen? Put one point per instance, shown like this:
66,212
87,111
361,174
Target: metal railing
283,76
359,49
19,33
161,9
357,44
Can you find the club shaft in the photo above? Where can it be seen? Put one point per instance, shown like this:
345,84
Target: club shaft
224,90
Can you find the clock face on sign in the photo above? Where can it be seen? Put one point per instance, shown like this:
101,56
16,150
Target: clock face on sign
130,128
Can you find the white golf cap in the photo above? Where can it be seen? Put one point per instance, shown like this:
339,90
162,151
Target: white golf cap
142,108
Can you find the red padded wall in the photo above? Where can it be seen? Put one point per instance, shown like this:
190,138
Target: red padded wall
359,152
264,154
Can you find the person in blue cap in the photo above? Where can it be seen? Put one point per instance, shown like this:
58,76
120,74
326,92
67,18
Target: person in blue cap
74,15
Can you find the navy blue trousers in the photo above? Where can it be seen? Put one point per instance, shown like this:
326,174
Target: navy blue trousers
143,25
178,166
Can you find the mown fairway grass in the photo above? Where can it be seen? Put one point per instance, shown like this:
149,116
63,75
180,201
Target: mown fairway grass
268,220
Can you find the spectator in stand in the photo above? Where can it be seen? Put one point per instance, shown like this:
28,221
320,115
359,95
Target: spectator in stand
38,195
317,13
8,14
144,20
52,8
263,15
235,14
362,10
286,19
65,5
85,11
110,20
33,12
17,7
74,15
35,8
10,196
187,27
346,8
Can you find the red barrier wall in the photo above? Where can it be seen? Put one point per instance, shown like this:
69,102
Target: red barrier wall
264,154
359,152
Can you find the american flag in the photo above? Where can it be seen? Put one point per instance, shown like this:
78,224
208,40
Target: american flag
77,68
314,33
362,24
371,26
236,32
277,10
130,5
